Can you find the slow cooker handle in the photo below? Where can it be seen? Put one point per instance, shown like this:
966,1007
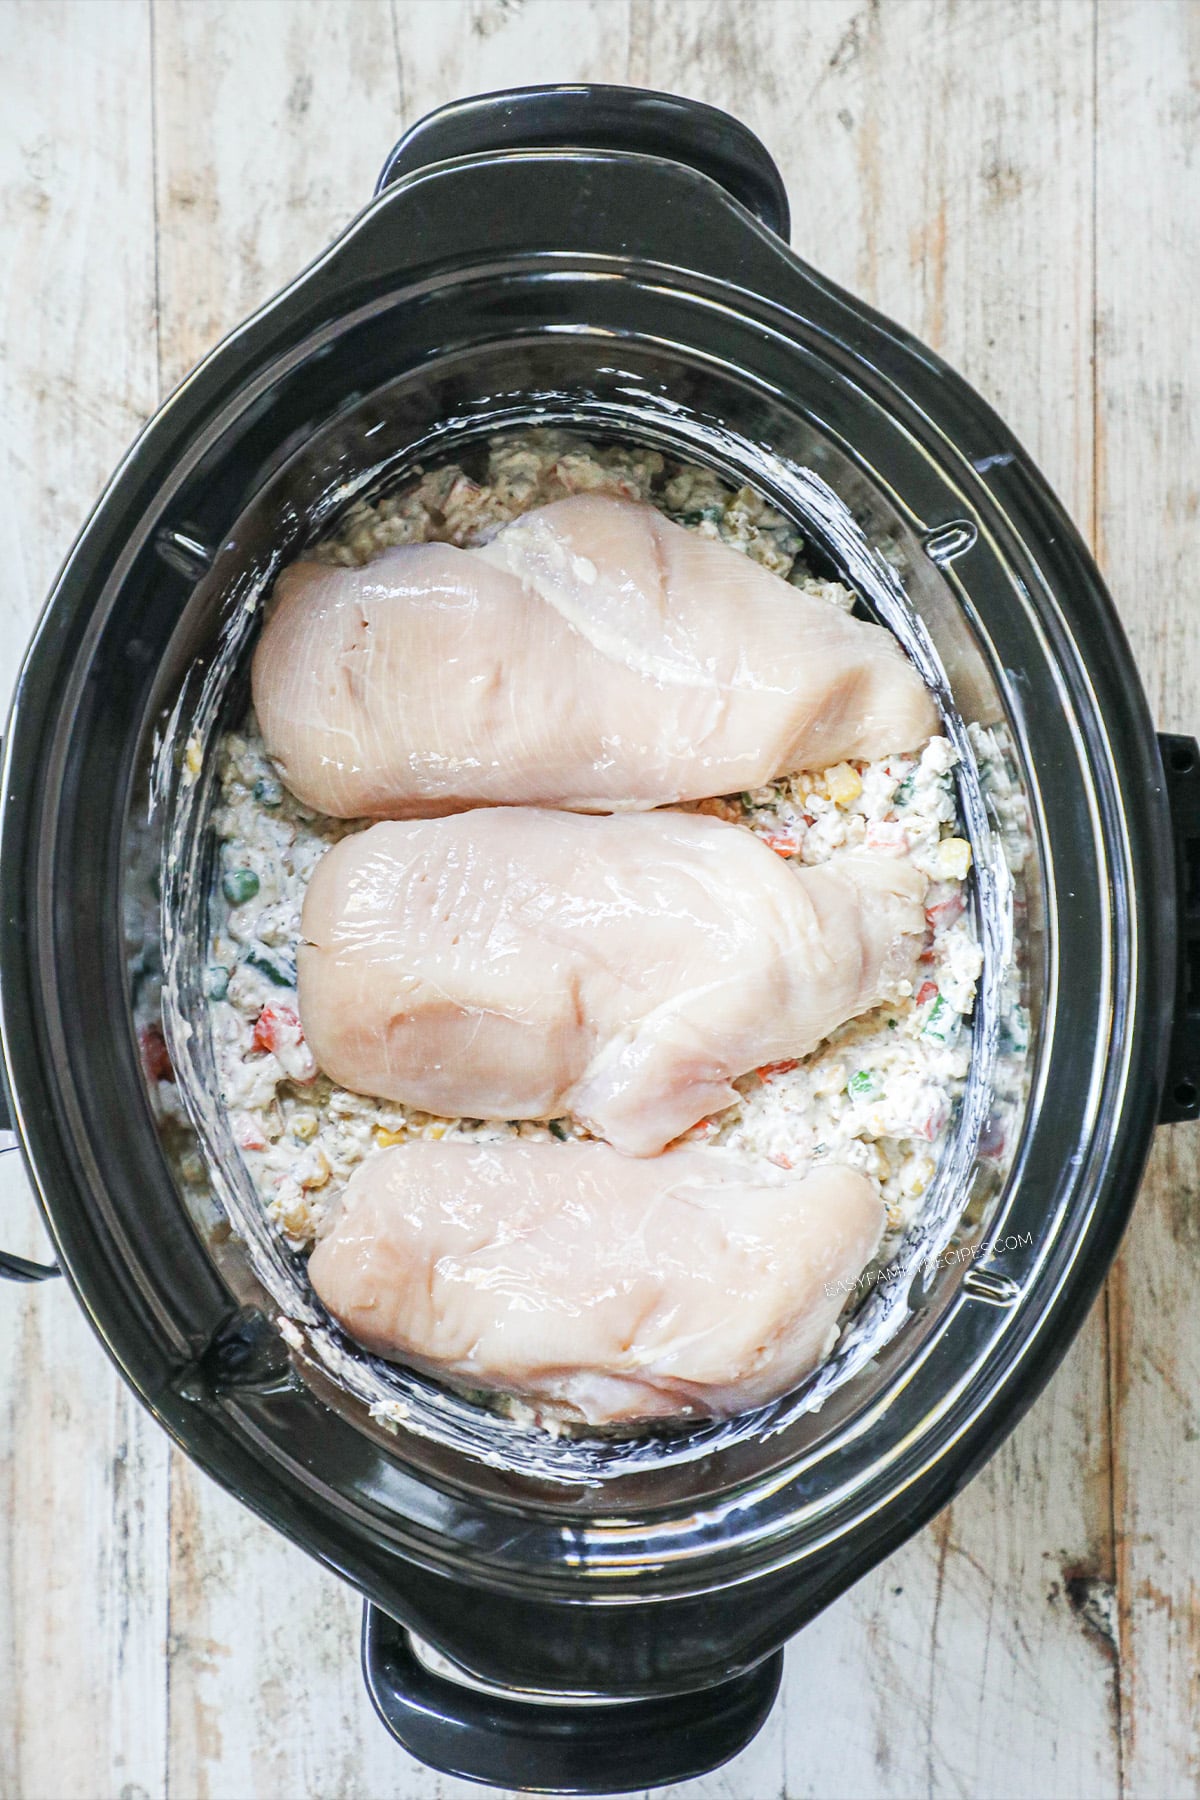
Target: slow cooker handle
1181,773
600,118
552,1746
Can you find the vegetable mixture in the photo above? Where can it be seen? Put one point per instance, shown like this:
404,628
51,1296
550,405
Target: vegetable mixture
878,1094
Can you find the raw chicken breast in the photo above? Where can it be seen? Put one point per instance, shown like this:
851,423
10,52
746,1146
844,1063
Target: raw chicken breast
593,656
523,964
698,1283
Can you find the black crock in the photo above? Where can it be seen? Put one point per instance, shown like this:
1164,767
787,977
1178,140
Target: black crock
613,259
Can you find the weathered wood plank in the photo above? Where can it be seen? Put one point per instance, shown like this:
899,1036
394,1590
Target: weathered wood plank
1148,504
77,321
267,1699
272,123
938,160
83,1469
479,46
935,167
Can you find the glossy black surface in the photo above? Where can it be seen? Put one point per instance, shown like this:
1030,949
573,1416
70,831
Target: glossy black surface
544,1747
20,1268
486,279
600,118
12,1267
1181,769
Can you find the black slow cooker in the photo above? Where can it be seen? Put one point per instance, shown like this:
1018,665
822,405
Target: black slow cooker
597,1617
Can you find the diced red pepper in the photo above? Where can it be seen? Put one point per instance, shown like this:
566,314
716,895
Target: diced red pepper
777,1068
275,1026
248,1132
888,835
782,846
780,1160
156,1058
926,991
932,1123
945,912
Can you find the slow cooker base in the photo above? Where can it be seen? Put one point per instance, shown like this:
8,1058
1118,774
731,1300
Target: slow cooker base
490,267
558,1744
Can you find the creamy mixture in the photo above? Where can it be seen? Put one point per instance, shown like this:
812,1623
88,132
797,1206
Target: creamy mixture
878,1094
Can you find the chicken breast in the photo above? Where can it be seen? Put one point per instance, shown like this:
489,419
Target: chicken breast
699,1283
522,964
594,656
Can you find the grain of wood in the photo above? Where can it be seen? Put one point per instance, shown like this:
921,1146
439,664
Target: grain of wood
479,46
934,155
83,1469
77,373
273,121
947,162
1148,509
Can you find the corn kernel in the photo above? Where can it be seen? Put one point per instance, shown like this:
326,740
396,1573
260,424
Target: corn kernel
304,1126
290,1210
918,1175
385,1138
435,1131
312,1171
844,784
954,859
832,1081
286,1217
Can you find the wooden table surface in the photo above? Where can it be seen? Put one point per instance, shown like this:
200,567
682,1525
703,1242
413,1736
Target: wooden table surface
1019,184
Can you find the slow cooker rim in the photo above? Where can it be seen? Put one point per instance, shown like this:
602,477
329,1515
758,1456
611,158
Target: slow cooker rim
19,727
184,1439
581,418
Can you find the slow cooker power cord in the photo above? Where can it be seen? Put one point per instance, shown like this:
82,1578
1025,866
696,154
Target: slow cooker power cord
20,1268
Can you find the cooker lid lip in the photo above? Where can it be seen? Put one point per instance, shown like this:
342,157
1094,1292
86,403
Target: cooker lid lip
1118,679
565,117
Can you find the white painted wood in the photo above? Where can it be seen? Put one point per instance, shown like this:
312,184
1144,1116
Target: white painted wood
77,372
480,46
82,1469
273,121
1148,468
988,173
939,161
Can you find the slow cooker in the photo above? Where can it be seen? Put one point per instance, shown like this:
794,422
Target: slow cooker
594,1616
